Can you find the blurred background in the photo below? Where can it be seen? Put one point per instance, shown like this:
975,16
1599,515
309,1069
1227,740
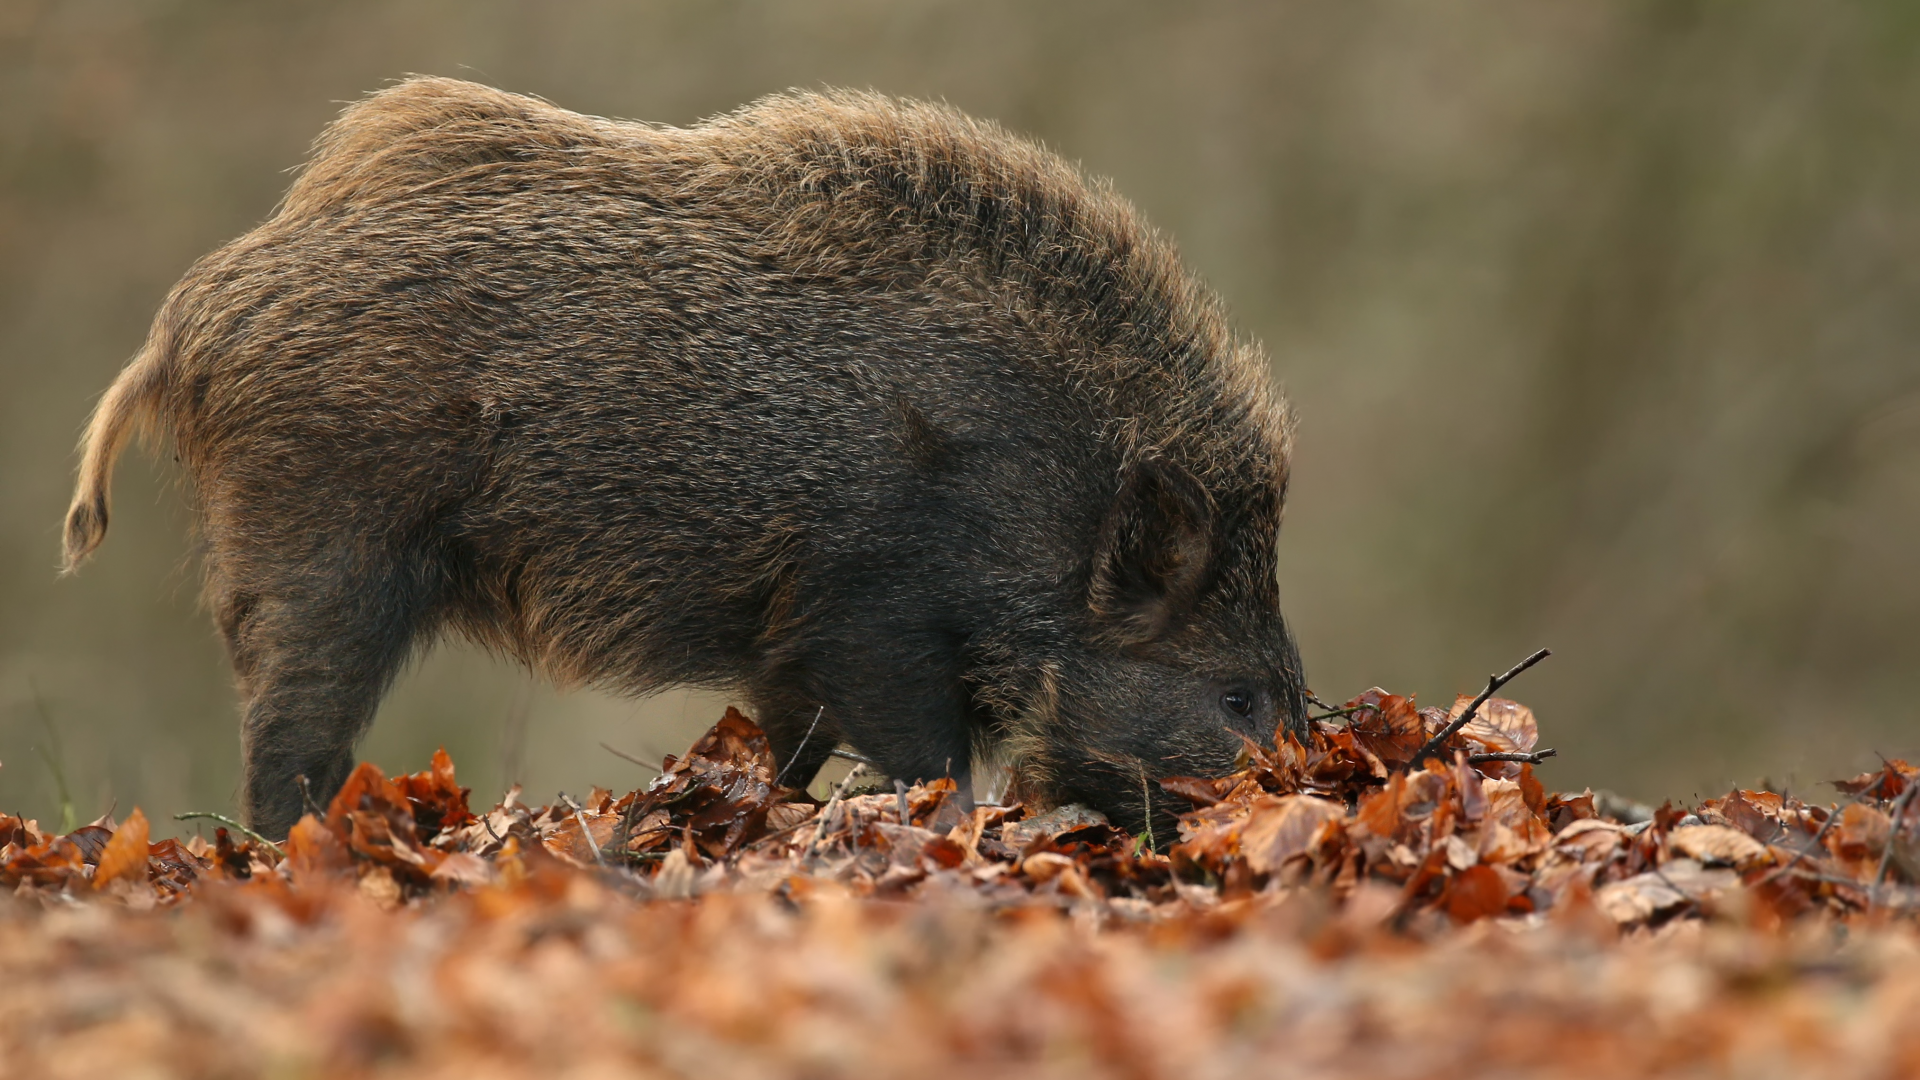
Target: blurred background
1600,322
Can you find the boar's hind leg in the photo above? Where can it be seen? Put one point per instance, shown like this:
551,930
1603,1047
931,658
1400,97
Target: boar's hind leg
314,647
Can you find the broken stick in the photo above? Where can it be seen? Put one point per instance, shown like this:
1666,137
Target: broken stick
1494,683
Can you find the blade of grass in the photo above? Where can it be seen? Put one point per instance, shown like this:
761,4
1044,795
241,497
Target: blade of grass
193,815
54,760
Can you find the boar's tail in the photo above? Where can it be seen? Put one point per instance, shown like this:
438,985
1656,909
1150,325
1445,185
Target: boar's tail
128,407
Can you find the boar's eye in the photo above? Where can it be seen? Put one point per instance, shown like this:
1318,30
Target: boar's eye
1237,702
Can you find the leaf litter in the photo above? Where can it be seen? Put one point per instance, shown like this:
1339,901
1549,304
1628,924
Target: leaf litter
1326,909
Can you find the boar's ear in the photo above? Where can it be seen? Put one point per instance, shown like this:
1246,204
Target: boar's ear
1153,551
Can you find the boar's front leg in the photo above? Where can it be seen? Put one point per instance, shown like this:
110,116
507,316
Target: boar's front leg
798,731
315,643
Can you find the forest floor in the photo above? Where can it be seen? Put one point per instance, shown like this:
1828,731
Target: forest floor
1395,895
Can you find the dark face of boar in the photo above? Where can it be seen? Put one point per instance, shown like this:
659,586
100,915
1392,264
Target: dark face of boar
1186,656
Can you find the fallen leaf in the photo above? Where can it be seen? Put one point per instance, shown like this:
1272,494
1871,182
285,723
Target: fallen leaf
1475,893
314,852
1500,725
1719,844
125,854
1638,898
1021,835
1282,828
1387,726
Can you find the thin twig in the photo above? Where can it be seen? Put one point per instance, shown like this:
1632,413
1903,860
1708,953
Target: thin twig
513,732
1146,797
817,714
1345,711
1893,833
849,755
306,796
1312,700
624,756
1819,834
1534,758
54,761
623,833
1494,683
231,824
580,816
795,827
826,815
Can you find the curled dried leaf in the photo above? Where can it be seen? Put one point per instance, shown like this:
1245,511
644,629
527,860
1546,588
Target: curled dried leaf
1285,827
1499,725
1719,844
125,853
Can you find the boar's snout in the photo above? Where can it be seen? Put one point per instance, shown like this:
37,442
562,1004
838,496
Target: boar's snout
1185,657
1131,723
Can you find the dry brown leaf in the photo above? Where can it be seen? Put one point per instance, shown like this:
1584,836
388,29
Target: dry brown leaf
391,943
1638,898
1475,893
1501,725
1283,828
125,854
314,852
1022,835
1719,844
465,868
1593,839
1387,726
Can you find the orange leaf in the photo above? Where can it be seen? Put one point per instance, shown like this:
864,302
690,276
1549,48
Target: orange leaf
1475,893
1388,726
1380,810
313,850
1533,791
366,788
53,861
1888,783
437,802
126,852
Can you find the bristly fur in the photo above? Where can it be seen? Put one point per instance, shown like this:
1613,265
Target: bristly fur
838,400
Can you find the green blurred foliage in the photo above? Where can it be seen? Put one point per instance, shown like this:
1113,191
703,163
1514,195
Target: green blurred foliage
1600,322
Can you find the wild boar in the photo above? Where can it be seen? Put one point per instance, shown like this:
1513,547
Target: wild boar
867,411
